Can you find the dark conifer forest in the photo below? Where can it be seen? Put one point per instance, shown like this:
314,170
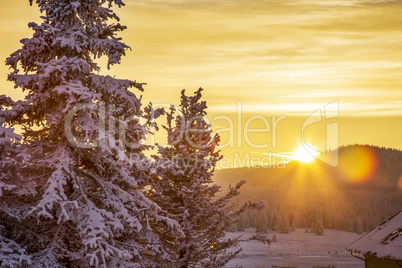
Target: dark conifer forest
356,196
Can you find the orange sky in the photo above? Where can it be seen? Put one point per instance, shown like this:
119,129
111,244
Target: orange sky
275,57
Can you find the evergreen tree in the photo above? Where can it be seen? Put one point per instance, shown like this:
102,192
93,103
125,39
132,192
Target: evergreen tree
359,225
349,225
232,228
253,218
284,225
8,150
184,188
276,221
274,238
262,223
79,200
11,253
292,227
240,225
244,220
319,227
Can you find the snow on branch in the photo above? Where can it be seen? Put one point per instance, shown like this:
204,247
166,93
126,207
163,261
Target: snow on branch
12,254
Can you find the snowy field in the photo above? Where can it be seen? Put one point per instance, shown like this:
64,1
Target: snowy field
297,249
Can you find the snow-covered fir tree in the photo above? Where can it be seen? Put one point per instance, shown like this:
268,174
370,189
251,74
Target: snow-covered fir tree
11,253
319,226
184,188
75,198
8,151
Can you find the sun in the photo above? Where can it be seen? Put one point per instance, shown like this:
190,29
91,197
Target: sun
305,154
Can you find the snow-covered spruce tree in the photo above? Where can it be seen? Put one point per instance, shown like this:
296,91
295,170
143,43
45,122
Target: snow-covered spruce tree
184,188
8,149
79,200
11,254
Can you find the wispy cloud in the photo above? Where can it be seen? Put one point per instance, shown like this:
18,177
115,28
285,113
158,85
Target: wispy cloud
263,52
278,52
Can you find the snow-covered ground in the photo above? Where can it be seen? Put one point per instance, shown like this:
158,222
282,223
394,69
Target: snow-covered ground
297,249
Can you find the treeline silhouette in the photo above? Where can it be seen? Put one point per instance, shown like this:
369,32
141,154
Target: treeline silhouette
361,192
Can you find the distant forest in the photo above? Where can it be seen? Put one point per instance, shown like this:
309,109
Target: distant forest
360,193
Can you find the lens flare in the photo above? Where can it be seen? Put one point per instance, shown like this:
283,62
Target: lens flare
358,164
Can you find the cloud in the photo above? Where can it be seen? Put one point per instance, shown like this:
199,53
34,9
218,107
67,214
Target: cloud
263,51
